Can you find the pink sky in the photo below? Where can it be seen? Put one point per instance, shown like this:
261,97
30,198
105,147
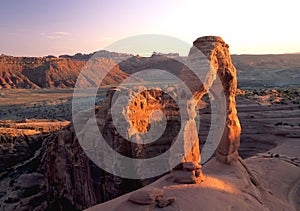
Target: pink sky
39,28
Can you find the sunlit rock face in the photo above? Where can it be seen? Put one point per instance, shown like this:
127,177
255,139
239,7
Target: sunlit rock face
218,55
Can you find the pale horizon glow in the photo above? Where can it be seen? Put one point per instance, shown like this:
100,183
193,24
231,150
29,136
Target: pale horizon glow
40,28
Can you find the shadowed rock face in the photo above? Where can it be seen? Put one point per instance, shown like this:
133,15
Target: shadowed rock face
73,180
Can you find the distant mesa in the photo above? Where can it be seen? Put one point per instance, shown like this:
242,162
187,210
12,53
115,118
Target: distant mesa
50,57
169,55
101,53
52,72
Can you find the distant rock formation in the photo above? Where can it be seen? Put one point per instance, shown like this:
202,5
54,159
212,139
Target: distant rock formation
101,53
35,72
267,71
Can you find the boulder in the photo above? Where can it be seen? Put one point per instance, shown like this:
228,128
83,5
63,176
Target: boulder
146,196
164,202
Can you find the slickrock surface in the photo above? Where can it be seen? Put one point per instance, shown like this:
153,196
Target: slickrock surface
225,187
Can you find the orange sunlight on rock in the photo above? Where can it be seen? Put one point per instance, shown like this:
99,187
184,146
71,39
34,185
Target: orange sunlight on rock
217,184
208,183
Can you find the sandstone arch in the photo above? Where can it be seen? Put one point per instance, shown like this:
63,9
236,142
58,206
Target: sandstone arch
217,52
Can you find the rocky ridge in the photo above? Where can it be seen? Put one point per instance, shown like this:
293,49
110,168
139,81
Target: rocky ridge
35,72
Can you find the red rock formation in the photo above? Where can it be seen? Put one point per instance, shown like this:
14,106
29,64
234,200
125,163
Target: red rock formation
72,180
35,72
216,50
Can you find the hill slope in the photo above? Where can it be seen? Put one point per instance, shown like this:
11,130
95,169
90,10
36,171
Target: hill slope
35,72
254,71
279,70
